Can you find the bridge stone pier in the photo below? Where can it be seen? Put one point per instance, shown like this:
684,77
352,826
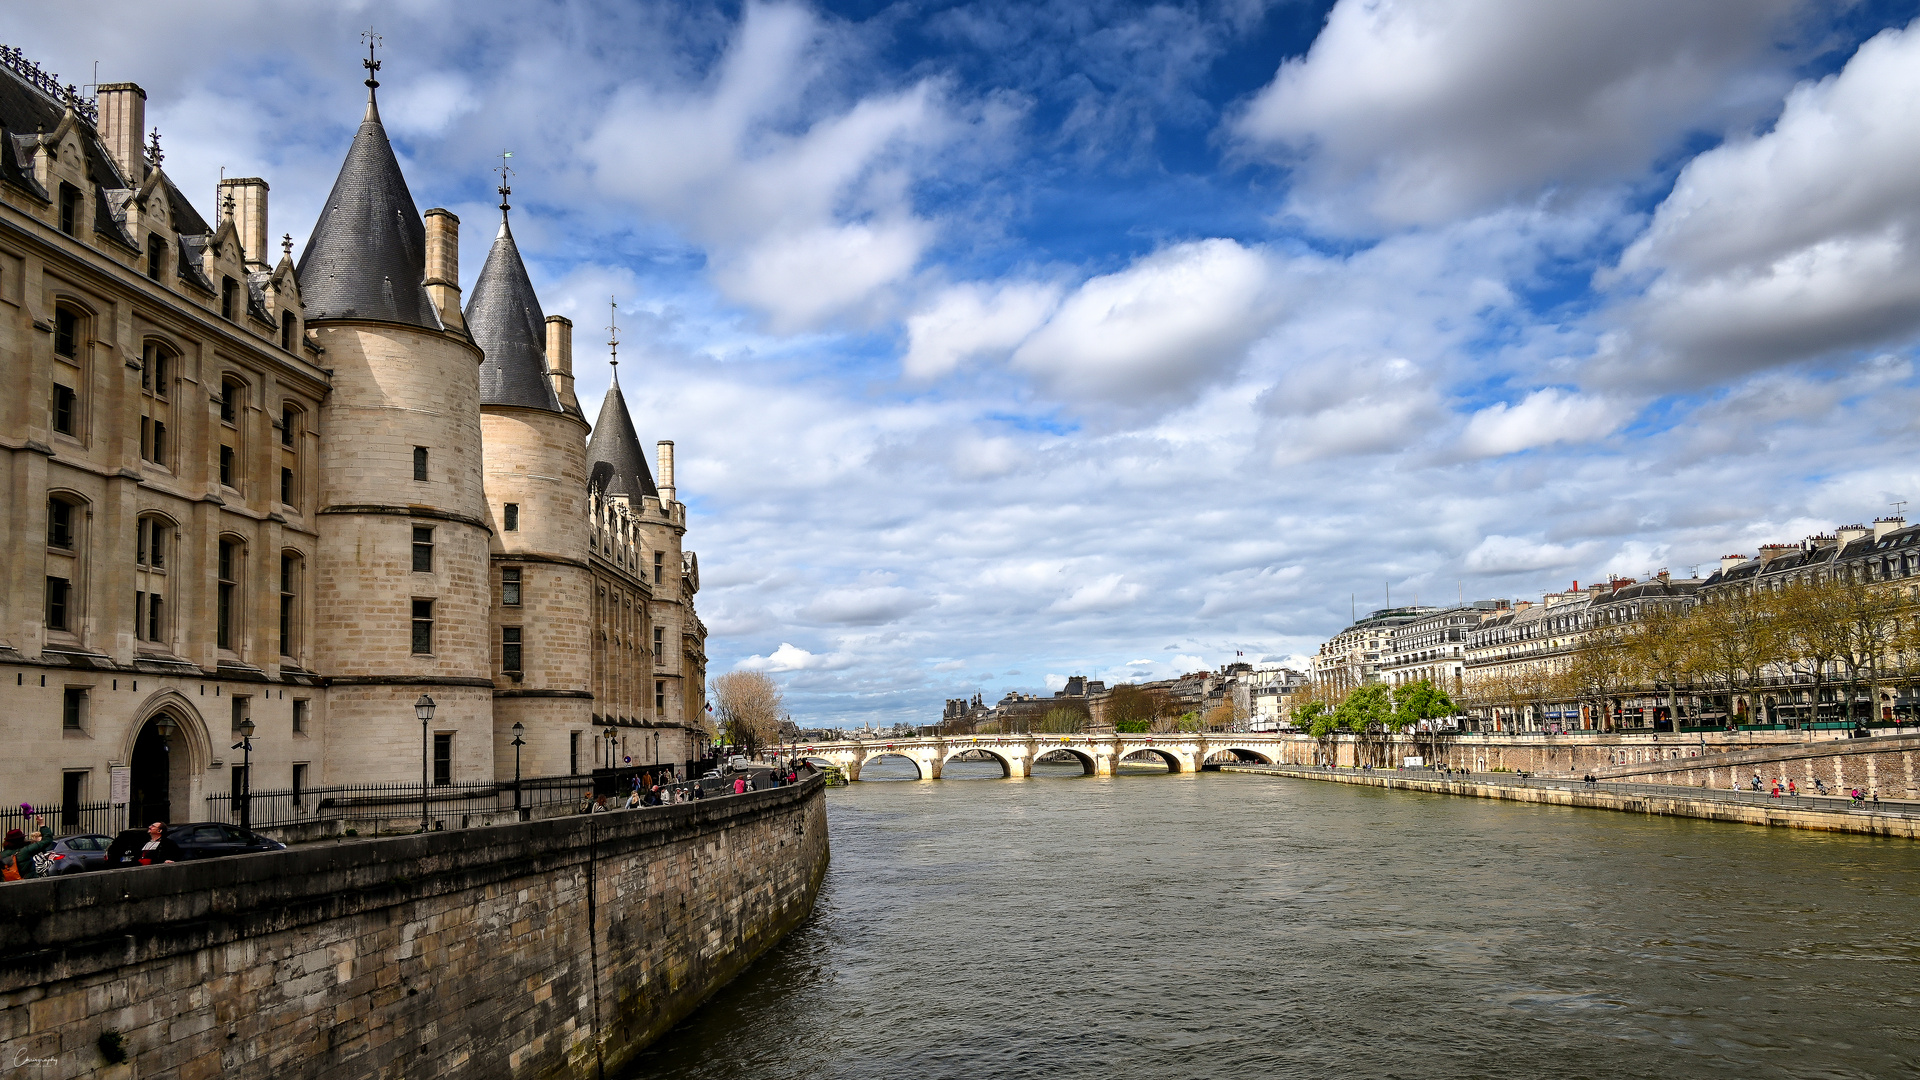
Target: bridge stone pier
1099,755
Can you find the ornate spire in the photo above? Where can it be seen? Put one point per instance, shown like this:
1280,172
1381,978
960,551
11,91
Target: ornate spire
613,336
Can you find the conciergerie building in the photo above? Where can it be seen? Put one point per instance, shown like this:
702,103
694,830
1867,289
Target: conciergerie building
305,494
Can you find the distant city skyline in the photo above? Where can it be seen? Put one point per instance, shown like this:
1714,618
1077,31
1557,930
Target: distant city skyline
1009,342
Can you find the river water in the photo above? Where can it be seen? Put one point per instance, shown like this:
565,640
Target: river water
1222,925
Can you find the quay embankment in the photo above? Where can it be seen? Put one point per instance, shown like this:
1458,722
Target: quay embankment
542,949
1823,813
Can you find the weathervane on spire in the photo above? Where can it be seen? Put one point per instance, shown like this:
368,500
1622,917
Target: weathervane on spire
613,333
505,188
372,65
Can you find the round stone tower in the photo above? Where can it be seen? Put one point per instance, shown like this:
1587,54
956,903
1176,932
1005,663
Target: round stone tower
536,475
401,596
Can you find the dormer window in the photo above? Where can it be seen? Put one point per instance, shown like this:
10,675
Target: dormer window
289,330
229,294
156,255
69,209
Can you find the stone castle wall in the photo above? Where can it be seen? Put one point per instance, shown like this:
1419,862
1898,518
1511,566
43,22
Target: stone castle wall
555,948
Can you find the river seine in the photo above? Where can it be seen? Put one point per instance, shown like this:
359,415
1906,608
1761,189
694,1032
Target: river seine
1153,926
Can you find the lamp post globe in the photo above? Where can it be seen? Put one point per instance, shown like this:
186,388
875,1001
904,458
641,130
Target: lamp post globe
424,710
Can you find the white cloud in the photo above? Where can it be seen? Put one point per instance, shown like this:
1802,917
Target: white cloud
1418,111
1544,417
1056,682
1499,554
974,320
1172,321
864,606
1106,593
1793,244
803,216
789,657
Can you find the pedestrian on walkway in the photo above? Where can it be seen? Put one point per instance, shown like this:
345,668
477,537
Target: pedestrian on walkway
17,852
1793,791
740,785
159,847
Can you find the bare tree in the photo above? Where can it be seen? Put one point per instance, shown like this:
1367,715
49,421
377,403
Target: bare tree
751,708
1063,720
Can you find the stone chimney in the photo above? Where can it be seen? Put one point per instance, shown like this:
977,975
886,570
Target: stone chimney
1885,525
560,360
249,217
1728,562
443,266
666,471
1770,552
123,122
1847,534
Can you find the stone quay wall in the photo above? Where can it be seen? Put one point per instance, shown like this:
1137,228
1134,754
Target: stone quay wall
1663,805
545,949
1888,764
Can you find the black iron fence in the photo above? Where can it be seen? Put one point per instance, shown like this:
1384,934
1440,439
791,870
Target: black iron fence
380,804
104,818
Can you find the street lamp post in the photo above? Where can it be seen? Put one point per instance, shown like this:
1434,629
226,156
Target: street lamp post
245,746
519,729
424,710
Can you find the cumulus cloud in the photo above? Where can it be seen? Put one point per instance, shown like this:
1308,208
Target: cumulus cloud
1499,554
803,216
864,606
789,657
1418,111
974,320
1544,417
1106,593
1797,243
1174,320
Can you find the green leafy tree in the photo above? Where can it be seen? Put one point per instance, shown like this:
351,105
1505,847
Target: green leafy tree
1366,713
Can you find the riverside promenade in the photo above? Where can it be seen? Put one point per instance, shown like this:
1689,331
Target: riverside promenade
1827,813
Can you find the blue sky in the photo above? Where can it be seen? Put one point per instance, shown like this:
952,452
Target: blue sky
1008,341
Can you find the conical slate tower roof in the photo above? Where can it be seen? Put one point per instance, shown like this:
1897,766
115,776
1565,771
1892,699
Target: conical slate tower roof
505,320
367,257
614,456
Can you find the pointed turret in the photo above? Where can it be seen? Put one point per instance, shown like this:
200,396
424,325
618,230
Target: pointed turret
367,256
618,464
505,319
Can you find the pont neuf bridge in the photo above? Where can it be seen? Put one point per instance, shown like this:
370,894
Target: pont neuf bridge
1098,754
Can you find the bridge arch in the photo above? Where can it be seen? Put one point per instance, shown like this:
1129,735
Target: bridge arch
1077,755
1142,753
1005,763
1229,755
884,755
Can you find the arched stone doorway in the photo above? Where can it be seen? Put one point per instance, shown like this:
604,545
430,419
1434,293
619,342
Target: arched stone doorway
161,772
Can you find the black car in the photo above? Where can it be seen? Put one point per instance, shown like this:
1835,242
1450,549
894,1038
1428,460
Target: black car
79,853
196,840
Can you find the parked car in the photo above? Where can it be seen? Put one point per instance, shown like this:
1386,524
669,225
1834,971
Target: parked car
197,840
79,853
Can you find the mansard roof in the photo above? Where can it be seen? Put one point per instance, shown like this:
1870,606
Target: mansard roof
618,465
505,320
367,257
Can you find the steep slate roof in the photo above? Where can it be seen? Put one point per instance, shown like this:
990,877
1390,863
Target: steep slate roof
367,257
617,463
505,320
